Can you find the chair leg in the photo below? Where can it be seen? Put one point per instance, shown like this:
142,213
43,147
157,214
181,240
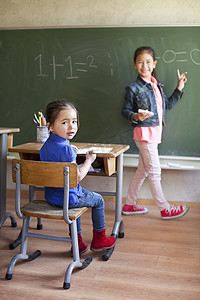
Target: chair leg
23,250
76,257
32,196
17,242
13,221
121,230
39,224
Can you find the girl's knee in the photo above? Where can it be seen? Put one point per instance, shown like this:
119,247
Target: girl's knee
155,176
101,200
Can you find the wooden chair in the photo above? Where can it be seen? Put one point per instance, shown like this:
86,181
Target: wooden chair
49,174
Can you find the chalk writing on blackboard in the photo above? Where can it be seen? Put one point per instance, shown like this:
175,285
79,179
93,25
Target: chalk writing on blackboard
195,57
111,70
54,65
73,68
69,60
69,66
39,57
90,58
170,56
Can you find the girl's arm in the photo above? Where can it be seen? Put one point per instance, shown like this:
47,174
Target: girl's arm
178,92
83,170
129,108
74,148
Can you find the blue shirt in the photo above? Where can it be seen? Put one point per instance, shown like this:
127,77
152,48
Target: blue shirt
57,149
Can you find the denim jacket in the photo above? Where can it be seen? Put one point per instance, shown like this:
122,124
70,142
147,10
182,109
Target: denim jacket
140,95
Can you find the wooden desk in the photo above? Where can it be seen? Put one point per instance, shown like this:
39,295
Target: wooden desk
105,161
6,140
111,164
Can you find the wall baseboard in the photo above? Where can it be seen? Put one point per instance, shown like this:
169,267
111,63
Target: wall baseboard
11,193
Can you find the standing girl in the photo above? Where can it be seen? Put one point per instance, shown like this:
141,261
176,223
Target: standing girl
63,121
144,106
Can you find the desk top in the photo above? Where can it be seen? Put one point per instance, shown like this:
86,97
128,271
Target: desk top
8,130
34,148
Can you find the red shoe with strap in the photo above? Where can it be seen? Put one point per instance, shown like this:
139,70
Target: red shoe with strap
101,242
83,247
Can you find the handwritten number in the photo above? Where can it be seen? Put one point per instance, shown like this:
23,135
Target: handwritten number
39,57
69,60
91,59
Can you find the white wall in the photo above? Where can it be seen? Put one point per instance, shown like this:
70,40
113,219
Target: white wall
36,13
177,185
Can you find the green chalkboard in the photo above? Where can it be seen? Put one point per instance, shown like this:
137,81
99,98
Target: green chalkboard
91,67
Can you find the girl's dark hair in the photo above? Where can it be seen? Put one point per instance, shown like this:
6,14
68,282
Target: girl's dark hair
54,108
150,51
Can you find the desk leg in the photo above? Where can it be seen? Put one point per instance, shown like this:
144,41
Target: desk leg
3,174
119,223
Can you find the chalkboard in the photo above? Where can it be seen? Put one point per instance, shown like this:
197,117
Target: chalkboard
91,67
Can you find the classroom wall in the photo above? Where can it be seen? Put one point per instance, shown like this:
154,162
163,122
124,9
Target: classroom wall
177,185
29,13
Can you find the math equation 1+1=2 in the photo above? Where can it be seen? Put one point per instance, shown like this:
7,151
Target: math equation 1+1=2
73,69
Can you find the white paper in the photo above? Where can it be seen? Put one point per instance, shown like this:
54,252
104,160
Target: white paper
94,150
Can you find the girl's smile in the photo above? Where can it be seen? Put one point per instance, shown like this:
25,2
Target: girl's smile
65,125
145,65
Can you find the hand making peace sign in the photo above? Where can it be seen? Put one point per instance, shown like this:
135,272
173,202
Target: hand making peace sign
181,80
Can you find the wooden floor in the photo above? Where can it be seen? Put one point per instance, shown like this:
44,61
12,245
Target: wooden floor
156,259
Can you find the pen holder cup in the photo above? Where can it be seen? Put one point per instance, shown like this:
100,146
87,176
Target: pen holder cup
42,134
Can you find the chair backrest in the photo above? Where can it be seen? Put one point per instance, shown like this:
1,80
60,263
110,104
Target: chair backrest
49,174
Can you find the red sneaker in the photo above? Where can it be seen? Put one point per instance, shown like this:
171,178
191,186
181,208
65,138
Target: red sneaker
174,212
134,210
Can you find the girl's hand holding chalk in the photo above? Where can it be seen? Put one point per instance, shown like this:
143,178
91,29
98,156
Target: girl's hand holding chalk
144,114
181,80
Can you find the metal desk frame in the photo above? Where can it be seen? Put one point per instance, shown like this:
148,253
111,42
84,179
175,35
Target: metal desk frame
4,132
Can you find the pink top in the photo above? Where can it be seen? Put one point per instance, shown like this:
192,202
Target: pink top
151,134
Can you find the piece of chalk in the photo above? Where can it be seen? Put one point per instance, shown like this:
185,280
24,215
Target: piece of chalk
145,111
174,165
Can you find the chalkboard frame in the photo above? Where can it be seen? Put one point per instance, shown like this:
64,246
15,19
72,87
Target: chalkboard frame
101,95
